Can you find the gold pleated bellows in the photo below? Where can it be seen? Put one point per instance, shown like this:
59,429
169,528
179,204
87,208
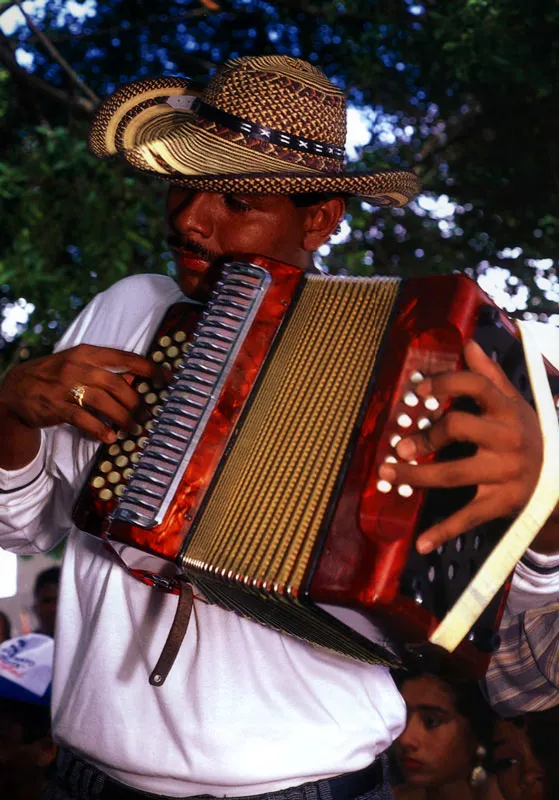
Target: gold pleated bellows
267,507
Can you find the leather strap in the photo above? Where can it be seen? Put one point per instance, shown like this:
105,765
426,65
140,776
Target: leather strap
175,637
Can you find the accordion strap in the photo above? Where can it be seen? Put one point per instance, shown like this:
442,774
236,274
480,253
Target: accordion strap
176,635
179,627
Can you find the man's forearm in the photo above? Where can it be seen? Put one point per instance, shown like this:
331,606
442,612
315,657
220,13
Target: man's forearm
19,444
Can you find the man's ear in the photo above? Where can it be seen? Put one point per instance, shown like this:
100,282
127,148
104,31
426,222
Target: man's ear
321,222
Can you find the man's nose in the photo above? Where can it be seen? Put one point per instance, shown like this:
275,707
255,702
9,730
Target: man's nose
196,215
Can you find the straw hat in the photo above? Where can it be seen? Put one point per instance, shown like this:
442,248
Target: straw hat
262,125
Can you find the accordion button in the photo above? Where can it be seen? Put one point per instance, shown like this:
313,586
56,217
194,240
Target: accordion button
105,494
105,466
431,403
151,398
411,399
143,387
114,450
179,336
172,352
98,482
390,460
423,423
395,439
404,420
405,490
128,446
416,377
165,341
113,477
119,490
157,356
121,461
384,486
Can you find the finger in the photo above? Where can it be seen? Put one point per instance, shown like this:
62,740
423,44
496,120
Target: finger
486,468
481,364
466,384
112,384
473,514
100,403
80,418
118,361
456,426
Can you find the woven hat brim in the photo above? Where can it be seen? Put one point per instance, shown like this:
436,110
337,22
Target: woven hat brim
170,143
391,188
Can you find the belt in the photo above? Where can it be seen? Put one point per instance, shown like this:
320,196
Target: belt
78,779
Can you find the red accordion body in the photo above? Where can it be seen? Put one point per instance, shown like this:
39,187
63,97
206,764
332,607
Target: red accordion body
208,433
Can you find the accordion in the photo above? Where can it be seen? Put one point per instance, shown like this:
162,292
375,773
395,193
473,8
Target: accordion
255,469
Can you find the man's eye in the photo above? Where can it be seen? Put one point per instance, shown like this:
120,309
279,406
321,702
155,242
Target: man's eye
233,202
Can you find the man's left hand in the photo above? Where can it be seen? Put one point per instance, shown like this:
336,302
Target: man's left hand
507,463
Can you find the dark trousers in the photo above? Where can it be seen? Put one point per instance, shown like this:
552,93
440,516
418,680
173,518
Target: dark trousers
77,780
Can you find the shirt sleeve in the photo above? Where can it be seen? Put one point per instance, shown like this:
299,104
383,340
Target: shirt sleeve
535,582
523,674
31,518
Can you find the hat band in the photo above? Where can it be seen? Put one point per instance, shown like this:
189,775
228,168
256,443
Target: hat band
288,140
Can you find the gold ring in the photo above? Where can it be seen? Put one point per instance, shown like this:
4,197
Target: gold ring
77,393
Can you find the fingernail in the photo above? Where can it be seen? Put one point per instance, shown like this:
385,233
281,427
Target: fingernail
387,472
406,449
424,547
110,437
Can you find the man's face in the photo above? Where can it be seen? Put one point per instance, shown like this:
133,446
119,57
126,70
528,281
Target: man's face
203,226
45,607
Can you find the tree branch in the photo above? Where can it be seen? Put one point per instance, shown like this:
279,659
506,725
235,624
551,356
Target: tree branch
26,81
54,53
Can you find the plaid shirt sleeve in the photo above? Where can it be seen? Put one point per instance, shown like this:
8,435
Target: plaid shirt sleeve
523,674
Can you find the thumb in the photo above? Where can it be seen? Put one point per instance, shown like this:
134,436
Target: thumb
479,362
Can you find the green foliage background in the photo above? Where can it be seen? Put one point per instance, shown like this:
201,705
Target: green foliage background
468,88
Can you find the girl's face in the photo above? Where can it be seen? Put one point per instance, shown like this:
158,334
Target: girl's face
519,775
437,746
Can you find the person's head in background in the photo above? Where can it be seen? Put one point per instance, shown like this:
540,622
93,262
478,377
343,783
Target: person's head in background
447,732
26,749
5,627
519,775
27,752
45,596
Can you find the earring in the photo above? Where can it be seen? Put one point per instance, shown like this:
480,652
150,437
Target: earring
478,775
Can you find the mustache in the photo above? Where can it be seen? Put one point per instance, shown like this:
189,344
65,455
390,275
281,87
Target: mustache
183,243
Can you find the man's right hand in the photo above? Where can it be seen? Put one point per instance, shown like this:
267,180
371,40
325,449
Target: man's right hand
37,393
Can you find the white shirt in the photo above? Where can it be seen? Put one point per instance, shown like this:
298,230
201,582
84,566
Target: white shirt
244,709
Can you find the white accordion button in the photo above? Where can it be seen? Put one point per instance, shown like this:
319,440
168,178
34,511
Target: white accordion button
384,486
404,420
405,490
416,377
411,399
423,423
431,403
395,439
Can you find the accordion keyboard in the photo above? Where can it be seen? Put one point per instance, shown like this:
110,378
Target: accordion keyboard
192,396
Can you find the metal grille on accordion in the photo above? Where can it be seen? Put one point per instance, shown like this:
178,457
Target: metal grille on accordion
255,472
